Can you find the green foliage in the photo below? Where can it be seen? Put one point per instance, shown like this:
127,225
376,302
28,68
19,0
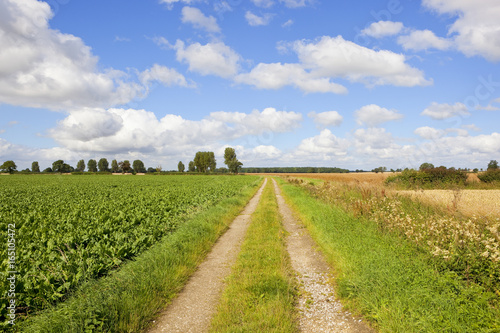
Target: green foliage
124,166
231,161
204,161
138,166
114,166
180,166
71,229
80,166
426,166
191,166
440,176
490,176
8,166
294,170
35,167
60,166
379,169
92,165
493,165
103,165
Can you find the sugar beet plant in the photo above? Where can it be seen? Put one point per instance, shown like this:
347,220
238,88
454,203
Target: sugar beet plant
72,229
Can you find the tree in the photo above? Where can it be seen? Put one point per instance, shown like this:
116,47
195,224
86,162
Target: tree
92,166
493,165
205,160
231,161
426,166
35,167
80,166
114,166
47,169
191,167
181,166
124,166
103,165
60,166
138,166
8,166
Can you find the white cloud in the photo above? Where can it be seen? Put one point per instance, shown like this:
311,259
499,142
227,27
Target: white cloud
419,40
167,76
444,111
325,146
170,3
266,153
38,65
336,57
199,20
488,107
296,3
209,59
277,76
373,115
263,3
383,28
326,119
429,133
287,24
476,30
255,20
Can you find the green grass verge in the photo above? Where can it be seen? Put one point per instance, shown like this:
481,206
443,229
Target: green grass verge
387,279
128,299
260,292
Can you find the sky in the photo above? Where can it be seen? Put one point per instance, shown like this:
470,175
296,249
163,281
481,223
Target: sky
356,84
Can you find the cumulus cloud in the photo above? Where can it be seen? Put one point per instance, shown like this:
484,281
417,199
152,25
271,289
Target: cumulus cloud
325,146
326,119
167,76
170,3
382,29
255,20
210,59
42,67
476,30
287,24
199,20
373,115
336,57
278,75
429,133
266,153
128,130
419,40
444,111
263,3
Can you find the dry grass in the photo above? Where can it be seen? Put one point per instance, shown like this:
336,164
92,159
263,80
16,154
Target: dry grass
364,177
468,202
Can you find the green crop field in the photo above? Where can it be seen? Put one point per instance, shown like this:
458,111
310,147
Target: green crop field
70,229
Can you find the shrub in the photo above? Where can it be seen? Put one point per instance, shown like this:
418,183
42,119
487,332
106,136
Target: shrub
490,176
429,177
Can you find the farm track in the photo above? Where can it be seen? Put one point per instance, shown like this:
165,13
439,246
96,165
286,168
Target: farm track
319,311
193,308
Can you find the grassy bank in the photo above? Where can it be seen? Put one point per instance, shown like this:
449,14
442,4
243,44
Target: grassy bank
388,279
259,296
128,299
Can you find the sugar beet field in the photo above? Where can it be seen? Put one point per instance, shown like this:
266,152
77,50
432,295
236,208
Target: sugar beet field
70,229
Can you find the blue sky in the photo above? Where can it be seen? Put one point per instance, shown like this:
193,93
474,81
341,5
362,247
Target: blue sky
353,84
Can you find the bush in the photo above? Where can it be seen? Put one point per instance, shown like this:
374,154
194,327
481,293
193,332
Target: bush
490,176
429,177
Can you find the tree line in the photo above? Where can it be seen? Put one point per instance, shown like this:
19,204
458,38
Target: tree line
203,162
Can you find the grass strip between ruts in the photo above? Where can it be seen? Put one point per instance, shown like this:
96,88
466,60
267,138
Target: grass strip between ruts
128,299
387,279
260,292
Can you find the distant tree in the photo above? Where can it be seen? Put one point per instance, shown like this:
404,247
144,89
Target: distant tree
426,166
35,167
124,166
151,170
60,166
8,166
103,164
49,169
181,166
205,161
80,166
114,166
138,166
158,168
379,169
493,165
231,161
191,166
92,165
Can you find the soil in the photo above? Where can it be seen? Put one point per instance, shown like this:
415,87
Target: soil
319,310
193,308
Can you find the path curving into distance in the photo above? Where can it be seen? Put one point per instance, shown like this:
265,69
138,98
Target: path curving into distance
319,311
193,309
